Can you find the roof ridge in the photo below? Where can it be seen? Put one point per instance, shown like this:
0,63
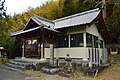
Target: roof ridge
78,14
42,18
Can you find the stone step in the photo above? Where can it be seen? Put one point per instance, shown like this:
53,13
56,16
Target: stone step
15,66
27,64
22,65
21,61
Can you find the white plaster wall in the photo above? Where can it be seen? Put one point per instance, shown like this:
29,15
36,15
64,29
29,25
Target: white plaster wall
93,30
76,52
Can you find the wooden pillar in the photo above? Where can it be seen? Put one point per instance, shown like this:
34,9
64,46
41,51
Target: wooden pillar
84,39
84,44
69,40
42,47
90,58
23,49
39,50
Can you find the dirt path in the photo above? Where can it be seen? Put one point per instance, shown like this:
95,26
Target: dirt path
6,74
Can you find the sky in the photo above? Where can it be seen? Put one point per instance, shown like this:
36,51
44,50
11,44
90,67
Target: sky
19,6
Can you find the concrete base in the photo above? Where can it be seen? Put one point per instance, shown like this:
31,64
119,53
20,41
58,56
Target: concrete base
85,59
23,57
43,59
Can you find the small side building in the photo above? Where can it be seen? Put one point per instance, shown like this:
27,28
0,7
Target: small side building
83,36
2,50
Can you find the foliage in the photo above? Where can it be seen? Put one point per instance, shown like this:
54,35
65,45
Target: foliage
113,21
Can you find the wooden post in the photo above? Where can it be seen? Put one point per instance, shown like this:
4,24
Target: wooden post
84,37
90,58
42,47
23,50
39,49
51,54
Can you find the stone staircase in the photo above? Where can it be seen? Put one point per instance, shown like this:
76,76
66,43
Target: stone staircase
19,65
26,64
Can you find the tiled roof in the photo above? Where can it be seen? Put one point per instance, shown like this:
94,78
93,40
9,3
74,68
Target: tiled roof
73,20
77,19
43,21
30,30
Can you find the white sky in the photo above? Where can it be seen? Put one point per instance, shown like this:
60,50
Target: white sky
19,6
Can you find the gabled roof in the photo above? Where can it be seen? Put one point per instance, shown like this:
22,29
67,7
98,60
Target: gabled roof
39,21
73,20
77,19
43,21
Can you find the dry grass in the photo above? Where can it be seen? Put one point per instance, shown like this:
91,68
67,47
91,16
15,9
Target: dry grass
110,73
38,75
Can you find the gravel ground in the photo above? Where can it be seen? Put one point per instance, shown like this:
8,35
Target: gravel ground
110,73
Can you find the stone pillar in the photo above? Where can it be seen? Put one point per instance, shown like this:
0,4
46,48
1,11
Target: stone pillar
51,54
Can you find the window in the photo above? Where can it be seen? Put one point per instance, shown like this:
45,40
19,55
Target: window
88,40
76,40
63,41
95,42
101,44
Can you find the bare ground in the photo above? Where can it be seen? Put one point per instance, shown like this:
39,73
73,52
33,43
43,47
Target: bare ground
110,73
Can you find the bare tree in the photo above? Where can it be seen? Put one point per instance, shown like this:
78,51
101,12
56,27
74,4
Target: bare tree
104,9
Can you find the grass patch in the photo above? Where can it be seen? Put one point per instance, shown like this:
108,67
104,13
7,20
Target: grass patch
114,55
